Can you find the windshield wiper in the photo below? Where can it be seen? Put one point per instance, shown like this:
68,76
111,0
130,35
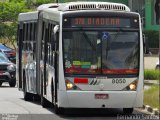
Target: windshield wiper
89,41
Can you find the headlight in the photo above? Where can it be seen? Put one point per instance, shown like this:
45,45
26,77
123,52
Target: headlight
71,86
132,86
11,67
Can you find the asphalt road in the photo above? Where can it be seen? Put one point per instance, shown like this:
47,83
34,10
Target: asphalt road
13,107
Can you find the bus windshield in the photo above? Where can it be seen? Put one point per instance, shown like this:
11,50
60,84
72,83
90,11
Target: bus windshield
101,52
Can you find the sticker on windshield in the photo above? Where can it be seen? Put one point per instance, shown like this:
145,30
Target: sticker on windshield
76,63
68,64
105,36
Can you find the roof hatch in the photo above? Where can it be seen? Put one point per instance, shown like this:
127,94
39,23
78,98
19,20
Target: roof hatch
92,6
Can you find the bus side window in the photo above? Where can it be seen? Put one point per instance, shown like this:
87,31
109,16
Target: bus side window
52,46
49,42
54,37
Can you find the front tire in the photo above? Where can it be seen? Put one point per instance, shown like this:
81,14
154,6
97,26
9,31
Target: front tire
128,111
58,110
12,83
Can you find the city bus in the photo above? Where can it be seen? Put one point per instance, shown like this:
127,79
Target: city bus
81,55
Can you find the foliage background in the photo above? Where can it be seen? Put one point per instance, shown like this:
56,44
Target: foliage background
9,11
150,74
152,38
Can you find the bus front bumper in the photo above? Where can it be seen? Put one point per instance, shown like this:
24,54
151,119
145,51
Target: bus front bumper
86,99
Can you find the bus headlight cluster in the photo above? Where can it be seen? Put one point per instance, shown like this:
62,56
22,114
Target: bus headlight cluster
11,68
133,86
71,86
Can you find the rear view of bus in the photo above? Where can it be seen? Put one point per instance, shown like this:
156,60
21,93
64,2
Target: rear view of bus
102,57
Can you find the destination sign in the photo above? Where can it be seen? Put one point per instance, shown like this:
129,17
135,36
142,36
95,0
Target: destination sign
99,22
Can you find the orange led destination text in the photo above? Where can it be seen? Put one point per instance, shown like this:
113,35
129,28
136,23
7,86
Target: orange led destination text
97,21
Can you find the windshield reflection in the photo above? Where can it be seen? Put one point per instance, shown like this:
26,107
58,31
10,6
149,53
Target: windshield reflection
99,52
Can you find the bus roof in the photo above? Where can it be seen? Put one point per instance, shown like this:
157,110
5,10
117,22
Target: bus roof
28,16
73,6
93,6
70,6
45,6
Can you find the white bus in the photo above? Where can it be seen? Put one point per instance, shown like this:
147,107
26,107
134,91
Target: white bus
81,55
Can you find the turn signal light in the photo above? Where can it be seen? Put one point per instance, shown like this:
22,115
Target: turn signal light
69,85
133,86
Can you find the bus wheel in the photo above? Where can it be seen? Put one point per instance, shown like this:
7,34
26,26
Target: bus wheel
12,83
37,98
44,102
58,110
127,111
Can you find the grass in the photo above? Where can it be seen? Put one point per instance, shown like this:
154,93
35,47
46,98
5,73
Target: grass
151,97
150,74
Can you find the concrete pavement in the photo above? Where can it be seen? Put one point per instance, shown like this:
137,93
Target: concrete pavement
13,106
150,61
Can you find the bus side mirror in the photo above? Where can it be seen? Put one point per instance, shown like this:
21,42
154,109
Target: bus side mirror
54,36
56,29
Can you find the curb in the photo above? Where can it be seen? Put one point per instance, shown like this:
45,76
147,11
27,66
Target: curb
151,82
151,110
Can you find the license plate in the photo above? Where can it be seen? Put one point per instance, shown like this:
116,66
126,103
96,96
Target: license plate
101,96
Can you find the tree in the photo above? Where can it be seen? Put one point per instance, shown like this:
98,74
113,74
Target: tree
32,4
9,12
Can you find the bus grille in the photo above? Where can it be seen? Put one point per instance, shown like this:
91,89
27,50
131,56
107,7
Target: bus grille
4,77
3,67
